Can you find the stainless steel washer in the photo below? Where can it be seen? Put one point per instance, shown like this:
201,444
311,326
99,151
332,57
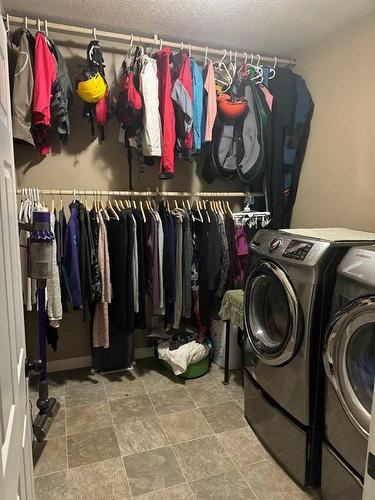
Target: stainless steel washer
287,306
349,361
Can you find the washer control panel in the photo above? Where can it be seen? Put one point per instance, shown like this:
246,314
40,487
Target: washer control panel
298,249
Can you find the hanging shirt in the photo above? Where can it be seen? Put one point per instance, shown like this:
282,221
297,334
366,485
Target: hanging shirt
149,89
166,113
209,85
135,265
23,88
100,329
71,256
44,77
178,214
197,104
182,95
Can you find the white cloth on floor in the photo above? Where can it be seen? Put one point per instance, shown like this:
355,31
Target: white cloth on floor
179,359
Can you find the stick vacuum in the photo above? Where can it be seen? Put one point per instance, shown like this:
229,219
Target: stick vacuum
39,267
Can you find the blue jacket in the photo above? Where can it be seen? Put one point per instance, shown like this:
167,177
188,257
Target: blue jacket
197,104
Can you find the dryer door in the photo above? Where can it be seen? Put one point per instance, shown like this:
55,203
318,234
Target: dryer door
349,359
272,313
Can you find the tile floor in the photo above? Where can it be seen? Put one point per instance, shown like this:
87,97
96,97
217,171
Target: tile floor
147,435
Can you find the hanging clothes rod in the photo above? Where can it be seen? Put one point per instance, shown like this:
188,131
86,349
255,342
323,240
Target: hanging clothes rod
155,41
174,194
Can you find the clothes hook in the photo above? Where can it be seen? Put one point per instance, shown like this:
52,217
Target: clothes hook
182,46
245,55
94,33
38,24
46,27
258,61
206,56
161,44
131,40
252,59
26,23
189,50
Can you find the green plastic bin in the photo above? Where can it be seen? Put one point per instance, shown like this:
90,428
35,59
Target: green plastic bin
194,370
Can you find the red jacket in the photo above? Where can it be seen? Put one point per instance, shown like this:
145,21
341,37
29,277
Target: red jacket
44,76
166,113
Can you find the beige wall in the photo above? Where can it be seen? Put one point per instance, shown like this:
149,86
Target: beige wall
337,185
83,164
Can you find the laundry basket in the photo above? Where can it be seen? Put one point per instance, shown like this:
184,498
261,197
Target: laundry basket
194,370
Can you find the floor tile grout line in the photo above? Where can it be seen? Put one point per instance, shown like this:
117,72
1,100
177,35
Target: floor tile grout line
170,444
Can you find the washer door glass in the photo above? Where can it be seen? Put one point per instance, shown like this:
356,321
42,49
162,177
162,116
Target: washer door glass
360,363
271,313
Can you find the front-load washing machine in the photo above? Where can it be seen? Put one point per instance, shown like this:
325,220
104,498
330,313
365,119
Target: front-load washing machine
287,306
349,362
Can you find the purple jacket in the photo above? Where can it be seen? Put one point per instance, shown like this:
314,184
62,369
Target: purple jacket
71,256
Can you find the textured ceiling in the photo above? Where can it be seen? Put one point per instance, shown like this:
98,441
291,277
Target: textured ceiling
273,27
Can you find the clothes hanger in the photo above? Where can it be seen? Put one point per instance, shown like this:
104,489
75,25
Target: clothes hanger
273,70
7,25
259,71
52,204
175,203
200,219
206,56
142,211
112,210
183,204
221,66
188,205
229,209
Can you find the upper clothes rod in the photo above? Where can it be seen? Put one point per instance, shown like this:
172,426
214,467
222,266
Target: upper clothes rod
183,194
155,41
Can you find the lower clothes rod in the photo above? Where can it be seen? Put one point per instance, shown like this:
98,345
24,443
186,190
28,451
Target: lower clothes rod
175,194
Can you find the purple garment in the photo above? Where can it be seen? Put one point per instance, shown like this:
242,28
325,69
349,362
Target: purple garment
155,293
71,256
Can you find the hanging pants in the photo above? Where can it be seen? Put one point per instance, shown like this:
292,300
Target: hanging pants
166,114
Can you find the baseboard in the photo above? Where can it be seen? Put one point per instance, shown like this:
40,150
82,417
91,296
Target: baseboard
59,365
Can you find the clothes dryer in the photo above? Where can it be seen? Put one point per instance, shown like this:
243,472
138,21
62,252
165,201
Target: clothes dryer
349,362
288,295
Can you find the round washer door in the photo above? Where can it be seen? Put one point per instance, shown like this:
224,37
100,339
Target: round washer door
349,359
272,313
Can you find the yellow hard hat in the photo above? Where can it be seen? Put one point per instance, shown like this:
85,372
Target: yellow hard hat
93,89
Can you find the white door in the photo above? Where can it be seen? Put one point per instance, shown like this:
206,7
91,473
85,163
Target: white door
16,473
369,487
